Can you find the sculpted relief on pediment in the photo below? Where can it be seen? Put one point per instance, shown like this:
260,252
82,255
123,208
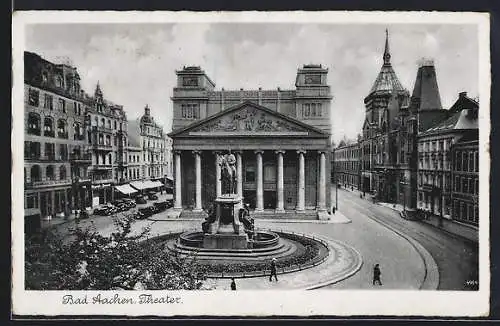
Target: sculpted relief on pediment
249,119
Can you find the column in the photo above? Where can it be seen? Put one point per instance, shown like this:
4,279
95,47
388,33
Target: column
178,181
239,172
52,198
260,185
301,195
197,163
218,186
280,205
322,182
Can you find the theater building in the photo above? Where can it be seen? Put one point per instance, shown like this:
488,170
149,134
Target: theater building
281,140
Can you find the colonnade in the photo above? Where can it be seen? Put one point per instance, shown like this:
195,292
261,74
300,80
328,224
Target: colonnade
321,200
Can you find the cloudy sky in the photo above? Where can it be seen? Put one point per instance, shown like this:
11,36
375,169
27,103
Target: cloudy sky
135,63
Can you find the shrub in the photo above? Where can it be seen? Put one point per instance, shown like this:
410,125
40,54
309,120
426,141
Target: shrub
90,261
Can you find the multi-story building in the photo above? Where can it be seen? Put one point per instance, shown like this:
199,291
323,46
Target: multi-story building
107,136
134,155
435,169
388,141
152,140
347,162
465,176
281,140
55,157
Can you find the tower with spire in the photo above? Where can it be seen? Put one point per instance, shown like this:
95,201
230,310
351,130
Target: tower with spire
384,145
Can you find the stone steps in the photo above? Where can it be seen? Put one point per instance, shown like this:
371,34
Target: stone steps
270,214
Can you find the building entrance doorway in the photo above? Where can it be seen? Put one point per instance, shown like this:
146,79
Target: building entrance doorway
269,199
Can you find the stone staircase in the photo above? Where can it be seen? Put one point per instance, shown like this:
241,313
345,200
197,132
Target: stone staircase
188,214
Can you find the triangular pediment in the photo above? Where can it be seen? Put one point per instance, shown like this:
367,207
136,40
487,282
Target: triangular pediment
250,119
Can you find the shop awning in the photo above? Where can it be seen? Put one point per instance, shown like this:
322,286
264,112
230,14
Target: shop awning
126,189
139,185
157,183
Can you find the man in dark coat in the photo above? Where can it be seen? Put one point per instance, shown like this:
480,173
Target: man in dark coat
273,271
376,275
233,284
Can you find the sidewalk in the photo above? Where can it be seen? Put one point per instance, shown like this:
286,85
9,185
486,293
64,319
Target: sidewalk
455,228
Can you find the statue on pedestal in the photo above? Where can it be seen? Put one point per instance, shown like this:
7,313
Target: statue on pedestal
228,173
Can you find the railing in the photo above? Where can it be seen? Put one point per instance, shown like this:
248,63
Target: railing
36,132
102,146
38,183
62,135
103,129
81,158
78,137
49,134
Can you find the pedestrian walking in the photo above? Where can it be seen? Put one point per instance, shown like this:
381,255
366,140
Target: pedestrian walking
273,270
376,275
233,284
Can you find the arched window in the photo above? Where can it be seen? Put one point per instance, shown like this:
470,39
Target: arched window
109,124
49,172
77,131
62,131
34,124
35,173
48,127
62,172
102,122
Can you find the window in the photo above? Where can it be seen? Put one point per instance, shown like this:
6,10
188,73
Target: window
63,152
103,122
32,201
108,140
190,111
48,127
458,161
59,82
250,173
31,150
465,185
109,124
48,102
62,172
75,108
477,186
312,110
471,160
476,161
77,131
49,173
61,129
79,109
465,161
50,151
115,125
33,97
35,173
34,124
62,105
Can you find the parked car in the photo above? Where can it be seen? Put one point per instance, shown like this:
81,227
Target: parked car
148,211
102,211
129,202
152,196
170,203
140,200
120,205
161,206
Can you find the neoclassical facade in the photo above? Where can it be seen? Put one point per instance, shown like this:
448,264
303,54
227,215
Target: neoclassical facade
281,140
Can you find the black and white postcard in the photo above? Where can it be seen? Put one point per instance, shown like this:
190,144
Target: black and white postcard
251,163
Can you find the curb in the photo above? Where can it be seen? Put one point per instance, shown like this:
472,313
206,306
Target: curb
431,276
452,234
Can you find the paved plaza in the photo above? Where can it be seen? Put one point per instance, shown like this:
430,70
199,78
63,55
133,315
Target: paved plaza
403,264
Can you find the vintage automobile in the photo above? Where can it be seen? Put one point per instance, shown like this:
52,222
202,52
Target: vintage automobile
147,211
140,200
152,196
129,202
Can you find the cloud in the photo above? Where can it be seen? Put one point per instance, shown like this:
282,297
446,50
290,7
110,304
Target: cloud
135,63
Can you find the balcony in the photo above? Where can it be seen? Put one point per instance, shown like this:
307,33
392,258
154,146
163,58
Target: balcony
78,137
35,132
102,129
81,158
49,133
63,135
98,181
102,166
46,183
103,147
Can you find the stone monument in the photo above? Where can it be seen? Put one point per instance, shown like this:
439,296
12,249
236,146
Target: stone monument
223,229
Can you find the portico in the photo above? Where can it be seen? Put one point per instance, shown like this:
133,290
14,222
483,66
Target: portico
281,163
